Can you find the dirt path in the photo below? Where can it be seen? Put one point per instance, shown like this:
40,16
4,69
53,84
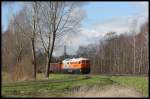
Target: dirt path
108,91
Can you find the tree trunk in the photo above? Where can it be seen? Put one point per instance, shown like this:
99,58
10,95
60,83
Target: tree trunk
33,58
140,61
50,56
134,56
47,67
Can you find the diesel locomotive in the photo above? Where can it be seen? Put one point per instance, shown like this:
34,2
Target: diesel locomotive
74,65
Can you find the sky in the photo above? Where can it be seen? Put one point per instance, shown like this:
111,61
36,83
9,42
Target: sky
100,18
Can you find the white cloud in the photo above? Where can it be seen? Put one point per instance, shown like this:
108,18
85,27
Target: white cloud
88,36
144,5
116,24
121,24
84,37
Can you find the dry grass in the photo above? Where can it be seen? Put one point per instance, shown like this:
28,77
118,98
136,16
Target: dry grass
20,72
6,77
107,91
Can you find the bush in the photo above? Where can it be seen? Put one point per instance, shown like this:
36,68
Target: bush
23,70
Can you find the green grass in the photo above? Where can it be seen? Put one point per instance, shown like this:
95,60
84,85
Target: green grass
52,87
40,76
138,83
58,85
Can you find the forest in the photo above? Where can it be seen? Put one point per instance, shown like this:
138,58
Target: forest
119,54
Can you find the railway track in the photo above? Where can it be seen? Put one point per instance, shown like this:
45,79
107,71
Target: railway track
37,83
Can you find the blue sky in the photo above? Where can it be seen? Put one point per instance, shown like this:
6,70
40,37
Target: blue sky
101,17
95,11
103,11
7,11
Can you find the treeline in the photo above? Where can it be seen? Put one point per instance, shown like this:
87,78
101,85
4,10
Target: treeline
119,54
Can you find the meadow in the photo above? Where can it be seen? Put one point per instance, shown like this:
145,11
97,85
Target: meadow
60,85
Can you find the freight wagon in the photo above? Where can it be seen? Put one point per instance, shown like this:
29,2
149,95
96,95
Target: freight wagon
55,67
75,65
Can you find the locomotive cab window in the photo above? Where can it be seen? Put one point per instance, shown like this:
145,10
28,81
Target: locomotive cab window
83,62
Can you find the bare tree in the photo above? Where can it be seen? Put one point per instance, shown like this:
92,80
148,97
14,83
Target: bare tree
27,24
116,53
15,49
134,46
57,18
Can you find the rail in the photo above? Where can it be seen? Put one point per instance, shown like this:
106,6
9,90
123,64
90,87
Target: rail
39,82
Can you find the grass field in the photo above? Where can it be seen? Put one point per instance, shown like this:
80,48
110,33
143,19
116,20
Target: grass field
138,83
58,85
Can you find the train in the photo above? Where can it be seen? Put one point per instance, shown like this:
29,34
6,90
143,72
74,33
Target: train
74,65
